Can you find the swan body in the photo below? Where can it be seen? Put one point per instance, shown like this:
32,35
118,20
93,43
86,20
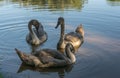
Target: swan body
49,57
76,38
36,35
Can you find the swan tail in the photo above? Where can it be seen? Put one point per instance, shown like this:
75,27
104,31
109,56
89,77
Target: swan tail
20,54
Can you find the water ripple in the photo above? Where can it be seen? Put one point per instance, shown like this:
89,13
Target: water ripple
87,61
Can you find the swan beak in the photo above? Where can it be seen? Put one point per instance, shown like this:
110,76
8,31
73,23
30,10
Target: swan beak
21,55
57,25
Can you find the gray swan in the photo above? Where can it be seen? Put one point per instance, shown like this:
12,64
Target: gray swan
48,57
75,38
36,35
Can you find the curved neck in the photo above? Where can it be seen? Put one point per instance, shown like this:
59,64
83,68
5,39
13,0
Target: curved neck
70,55
31,31
30,28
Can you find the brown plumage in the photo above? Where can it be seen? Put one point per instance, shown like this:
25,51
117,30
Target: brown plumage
36,35
76,38
48,57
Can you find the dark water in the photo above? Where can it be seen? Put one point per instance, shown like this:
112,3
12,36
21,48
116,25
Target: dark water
99,55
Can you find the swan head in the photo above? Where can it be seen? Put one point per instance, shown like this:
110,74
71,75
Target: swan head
60,22
35,23
69,47
80,30
28,58
70,52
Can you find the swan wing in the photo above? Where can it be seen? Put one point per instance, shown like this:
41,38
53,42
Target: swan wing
50,52
73,37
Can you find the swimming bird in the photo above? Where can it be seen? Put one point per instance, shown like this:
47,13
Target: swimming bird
36,35
76,38
49,57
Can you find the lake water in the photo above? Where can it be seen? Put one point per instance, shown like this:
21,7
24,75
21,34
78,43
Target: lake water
99,55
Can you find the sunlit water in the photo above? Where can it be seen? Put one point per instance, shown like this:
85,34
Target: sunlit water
99,55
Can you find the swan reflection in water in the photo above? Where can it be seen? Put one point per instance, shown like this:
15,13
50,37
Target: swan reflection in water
60,70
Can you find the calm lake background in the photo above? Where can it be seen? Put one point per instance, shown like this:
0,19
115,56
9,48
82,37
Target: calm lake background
99,55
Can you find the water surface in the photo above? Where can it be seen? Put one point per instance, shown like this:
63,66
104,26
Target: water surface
99,55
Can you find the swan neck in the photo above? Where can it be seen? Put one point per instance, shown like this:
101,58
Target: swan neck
30,28
70,55
62,32
34,36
